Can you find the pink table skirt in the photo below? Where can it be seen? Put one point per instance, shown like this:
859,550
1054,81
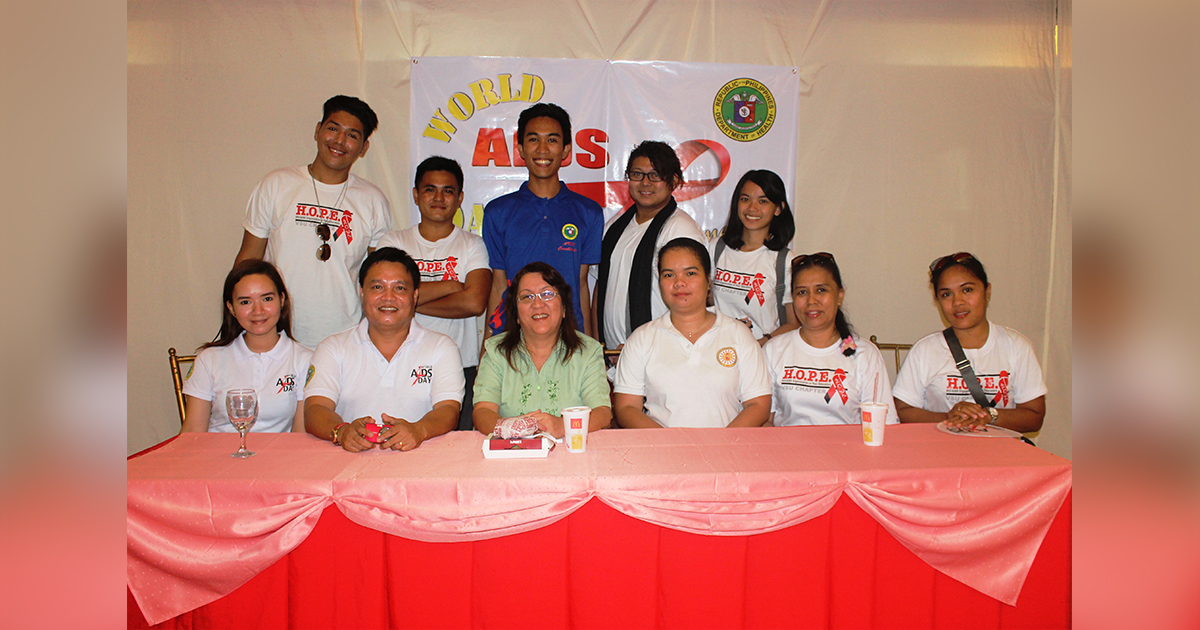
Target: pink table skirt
202,523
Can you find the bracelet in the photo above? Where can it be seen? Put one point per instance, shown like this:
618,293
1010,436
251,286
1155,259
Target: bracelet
333,435
767,336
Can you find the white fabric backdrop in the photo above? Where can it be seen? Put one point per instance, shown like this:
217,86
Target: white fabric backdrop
925,128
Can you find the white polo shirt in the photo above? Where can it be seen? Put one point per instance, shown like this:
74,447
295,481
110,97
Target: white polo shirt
348,369
1006,367
451,258
274,374
693,385
822,385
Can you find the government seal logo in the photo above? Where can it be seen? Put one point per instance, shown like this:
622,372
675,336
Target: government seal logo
727,357
570,231
744,110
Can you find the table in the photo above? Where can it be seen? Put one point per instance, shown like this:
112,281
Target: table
799,526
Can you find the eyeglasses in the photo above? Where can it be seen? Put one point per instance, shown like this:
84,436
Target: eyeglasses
324,251
545,296
637,176
941,263
804,257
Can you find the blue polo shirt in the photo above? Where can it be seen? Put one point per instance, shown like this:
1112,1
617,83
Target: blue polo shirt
563,232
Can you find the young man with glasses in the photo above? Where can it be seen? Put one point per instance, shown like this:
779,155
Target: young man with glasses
455,277
543,220
627,293
317,223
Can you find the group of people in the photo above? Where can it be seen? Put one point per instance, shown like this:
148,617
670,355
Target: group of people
737,332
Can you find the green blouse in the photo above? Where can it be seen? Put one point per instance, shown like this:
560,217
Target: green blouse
581,382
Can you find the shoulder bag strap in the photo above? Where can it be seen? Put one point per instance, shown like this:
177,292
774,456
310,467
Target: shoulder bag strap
781,284
964,368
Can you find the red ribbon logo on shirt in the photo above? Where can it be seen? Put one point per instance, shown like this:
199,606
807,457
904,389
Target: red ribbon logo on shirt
838,386
756,289
1002,395
449,273
345,227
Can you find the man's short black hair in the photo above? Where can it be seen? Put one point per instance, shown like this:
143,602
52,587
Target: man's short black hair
390,254
439,163
545,110
354,107
662,157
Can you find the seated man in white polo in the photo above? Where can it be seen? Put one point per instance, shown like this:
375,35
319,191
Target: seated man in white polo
388,367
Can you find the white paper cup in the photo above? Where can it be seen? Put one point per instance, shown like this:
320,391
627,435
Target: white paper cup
874,419
575,424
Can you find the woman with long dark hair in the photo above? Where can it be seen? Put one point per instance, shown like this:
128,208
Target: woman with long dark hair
822,373
540,364
751,280
930,386
252,350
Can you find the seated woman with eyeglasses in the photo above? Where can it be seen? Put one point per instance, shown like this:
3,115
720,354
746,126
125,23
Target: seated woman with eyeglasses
691,367
930,388
822,373
254,350
540,364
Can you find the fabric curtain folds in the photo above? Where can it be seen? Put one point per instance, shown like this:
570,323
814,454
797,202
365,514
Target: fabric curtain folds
200,527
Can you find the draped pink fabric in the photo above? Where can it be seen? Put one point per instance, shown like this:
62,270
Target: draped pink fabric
202,523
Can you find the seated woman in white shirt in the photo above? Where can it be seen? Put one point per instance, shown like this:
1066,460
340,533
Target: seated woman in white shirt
691,367
252,350
822,373
930,388
747,285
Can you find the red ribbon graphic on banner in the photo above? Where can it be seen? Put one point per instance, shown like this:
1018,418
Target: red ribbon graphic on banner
617,192
838,386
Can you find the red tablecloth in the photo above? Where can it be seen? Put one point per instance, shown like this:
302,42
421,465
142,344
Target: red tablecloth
201,524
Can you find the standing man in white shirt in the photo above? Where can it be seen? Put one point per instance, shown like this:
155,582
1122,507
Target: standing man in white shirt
455,276
627,293
318,222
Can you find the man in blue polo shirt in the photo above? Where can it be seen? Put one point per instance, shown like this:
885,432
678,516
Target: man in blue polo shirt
543,220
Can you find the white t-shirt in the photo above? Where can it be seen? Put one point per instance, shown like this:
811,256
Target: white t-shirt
693,385
616,298
348,369
822,385
740,275
451,258
275,375
1006,367
283,209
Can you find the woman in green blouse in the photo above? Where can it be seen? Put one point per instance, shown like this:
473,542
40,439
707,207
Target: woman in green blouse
540,365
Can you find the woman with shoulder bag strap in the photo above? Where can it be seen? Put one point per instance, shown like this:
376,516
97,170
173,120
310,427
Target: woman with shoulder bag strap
996,380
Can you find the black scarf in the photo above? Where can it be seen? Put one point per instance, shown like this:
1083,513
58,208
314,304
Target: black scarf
641,275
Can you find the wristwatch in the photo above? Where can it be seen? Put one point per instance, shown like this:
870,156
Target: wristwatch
333,435
994,413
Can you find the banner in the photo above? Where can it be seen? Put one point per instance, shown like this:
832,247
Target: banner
722,120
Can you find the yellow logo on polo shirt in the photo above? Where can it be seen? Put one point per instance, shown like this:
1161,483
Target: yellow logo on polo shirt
570,231
312,369
727,357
